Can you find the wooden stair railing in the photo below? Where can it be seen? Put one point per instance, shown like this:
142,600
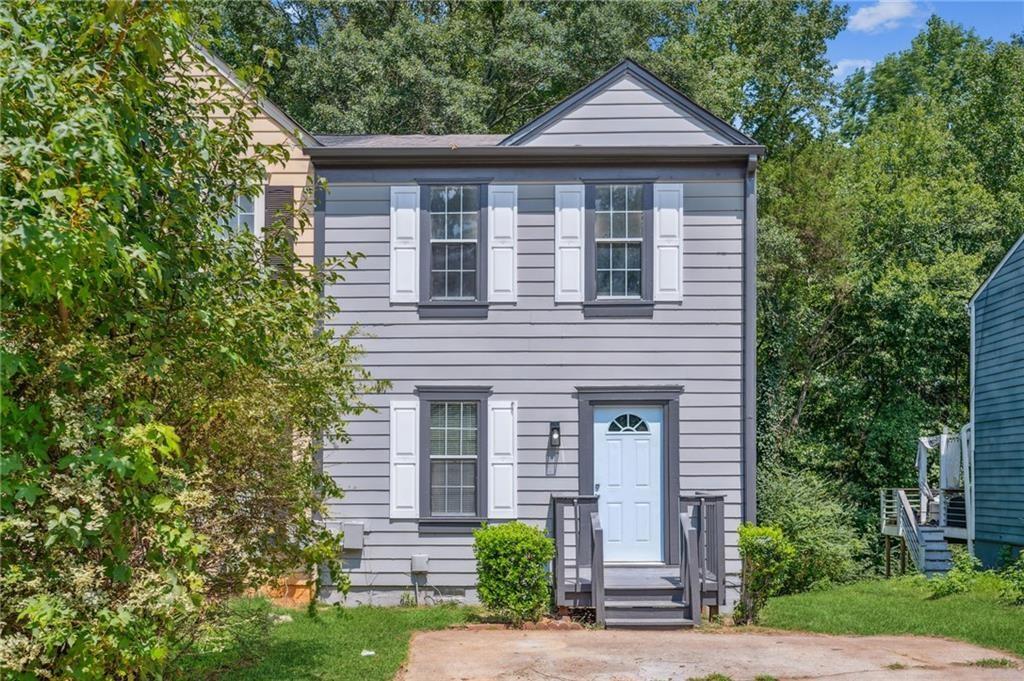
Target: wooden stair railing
689,567
707,517
597,566
563,568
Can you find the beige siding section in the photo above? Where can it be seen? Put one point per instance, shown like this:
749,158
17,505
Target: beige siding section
627,113
296,171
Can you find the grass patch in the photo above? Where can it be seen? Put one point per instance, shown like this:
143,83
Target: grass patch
903,606
994,663
330,646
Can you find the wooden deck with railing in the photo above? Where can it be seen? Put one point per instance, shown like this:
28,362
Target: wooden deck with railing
670,594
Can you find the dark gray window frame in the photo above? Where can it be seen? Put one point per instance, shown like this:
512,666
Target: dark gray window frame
664,396
430,524
598,307
453,309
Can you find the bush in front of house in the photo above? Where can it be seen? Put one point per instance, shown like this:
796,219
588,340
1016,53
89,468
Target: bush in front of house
817,521
960,578
767,560
1012,578
512,570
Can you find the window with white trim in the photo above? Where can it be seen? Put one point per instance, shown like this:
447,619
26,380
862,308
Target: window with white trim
454,213
618,239
248,215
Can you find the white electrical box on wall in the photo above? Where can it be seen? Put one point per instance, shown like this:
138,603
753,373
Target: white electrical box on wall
353,539
420,563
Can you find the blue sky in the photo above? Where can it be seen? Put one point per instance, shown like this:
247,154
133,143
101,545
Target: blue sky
879,27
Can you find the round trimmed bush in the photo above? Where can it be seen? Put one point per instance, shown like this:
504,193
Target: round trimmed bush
512,570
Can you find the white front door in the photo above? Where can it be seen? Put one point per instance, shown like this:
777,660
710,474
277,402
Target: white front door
628,482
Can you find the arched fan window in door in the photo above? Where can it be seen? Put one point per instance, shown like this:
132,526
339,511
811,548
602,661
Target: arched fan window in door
628,423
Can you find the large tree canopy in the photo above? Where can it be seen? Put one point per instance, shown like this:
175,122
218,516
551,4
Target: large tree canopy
873,237
161,381
441,67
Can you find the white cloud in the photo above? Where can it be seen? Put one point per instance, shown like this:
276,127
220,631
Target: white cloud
845,67
882,16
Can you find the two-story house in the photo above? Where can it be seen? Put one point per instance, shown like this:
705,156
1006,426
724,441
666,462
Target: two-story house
566,317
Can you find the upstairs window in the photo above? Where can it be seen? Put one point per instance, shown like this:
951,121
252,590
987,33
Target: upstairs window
455,248
247,216
618,240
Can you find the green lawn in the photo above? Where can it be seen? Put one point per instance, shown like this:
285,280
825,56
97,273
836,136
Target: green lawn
903,606
330,646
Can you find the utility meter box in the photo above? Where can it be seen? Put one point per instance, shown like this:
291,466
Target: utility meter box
420,563
353,540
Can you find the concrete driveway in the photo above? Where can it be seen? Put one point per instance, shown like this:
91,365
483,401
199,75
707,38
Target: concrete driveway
470,655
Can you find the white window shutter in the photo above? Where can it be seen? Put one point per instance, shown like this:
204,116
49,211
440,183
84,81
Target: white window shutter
405,458
502,464
405,240
503,213
569,240
668,242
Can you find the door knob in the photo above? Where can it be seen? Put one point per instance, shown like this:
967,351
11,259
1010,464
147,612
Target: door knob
597,487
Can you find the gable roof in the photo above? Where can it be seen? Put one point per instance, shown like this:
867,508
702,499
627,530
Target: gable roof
1006,258
303,136
625,68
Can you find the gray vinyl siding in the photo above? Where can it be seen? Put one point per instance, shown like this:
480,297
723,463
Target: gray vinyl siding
999,405
627,114
536,352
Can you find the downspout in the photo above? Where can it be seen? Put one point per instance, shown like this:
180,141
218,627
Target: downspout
749,376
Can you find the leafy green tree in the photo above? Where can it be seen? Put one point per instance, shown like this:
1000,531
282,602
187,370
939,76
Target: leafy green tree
161,383
412,66
868,261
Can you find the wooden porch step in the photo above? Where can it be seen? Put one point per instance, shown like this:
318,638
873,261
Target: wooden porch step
651,623
661,604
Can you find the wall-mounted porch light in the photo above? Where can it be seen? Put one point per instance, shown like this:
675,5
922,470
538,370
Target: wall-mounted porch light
555,435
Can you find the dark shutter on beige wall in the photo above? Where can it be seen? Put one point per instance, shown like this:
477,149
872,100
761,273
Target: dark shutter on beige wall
280,220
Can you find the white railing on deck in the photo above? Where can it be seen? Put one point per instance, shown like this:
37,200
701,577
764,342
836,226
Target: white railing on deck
907,523
890,505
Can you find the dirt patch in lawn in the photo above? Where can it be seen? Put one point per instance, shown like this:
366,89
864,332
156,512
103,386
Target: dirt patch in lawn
467,655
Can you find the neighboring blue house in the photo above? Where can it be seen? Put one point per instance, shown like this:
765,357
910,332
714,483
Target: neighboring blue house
979,499
997,410
566,318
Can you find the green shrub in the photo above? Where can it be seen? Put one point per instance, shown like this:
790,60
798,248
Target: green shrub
767,560
1012,577
512,570
816,521
960,578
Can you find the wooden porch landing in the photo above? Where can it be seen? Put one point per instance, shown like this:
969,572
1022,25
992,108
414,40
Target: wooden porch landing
628,575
